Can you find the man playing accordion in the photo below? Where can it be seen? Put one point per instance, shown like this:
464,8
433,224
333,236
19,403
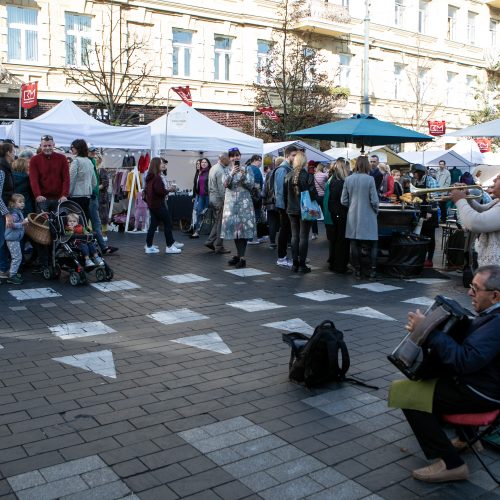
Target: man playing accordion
474,386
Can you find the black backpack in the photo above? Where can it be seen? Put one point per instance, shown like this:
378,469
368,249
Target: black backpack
315,360
270,196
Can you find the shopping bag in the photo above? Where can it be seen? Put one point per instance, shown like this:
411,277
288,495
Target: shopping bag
309,209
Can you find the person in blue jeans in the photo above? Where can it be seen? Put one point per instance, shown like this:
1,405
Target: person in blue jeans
201,193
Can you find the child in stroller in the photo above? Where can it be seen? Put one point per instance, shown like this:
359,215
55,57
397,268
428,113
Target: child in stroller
85,245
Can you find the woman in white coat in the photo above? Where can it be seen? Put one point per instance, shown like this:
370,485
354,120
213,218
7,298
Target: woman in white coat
360,196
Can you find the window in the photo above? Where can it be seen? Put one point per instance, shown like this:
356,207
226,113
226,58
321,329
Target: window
22,34
309,65
345,4
470,89
78,39
399,11
222,57
345,70
422,16
471,27
422,83
493,32
263,49
450,87
452,23
181,52
398,80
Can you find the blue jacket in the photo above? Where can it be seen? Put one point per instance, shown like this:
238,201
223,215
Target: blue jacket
476,362
279,184
16,232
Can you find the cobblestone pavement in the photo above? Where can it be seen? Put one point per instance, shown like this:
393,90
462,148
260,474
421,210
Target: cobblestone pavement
171,382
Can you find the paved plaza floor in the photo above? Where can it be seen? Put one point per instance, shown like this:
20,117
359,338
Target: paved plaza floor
171,382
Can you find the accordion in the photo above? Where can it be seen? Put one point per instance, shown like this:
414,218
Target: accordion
413,357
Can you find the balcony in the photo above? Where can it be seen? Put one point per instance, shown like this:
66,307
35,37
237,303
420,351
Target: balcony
325,19
493,3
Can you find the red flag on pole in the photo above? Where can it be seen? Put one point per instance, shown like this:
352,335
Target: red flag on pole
270,113
483,144
184,93
437,127
29,95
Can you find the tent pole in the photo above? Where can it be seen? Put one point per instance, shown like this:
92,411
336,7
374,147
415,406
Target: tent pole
166,121
366,62
19,120
254,122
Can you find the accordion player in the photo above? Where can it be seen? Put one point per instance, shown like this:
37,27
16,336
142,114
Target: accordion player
413,357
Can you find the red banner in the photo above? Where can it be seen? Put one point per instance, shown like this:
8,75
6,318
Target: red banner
184,93
270,113
483,144
29,95
437,127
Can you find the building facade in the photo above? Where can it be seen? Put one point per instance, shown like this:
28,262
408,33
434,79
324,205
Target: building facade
428,59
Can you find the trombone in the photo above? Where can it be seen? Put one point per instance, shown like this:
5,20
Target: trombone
445,191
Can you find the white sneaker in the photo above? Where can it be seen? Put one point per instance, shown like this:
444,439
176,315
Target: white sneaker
284,262
178,245
152,246
151,249
98,261
263,239
314,236
253,242
173,249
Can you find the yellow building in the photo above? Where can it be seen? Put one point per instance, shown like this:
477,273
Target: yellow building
428,58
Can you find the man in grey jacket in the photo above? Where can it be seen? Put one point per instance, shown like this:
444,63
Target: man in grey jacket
217,192
279,189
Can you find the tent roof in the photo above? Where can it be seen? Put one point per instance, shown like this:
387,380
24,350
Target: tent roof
487,129
312,152
190,130
469,150
67,122
432,157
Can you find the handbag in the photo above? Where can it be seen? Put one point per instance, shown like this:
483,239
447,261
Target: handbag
309,210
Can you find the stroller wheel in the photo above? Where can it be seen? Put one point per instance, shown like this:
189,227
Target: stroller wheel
48,272
74,278
100,274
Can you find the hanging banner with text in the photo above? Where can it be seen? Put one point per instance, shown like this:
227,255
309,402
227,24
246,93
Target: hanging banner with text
29,95
184,93
270,113
437,127
483,144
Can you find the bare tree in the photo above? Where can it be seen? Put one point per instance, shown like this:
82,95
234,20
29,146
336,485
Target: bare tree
115,72
291,78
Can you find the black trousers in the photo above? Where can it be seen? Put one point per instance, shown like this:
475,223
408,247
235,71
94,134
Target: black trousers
273,220
241,246
339,246
449,398
356,252
160,215
300,239
429,230
285,232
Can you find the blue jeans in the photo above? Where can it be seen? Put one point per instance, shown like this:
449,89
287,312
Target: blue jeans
96,222
4,253
200,204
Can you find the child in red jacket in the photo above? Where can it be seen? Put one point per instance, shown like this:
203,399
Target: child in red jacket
73,227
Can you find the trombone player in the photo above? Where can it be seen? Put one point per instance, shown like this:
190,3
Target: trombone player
482,219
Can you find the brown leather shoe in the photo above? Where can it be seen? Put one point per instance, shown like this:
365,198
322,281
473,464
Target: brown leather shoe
438,473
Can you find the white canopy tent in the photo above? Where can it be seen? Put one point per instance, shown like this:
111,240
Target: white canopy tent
190,130
67,122
384,153
432,157
469,150
311,152
487,129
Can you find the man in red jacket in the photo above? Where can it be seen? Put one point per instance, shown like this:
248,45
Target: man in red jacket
49,179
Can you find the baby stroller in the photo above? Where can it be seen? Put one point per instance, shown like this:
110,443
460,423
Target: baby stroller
65,254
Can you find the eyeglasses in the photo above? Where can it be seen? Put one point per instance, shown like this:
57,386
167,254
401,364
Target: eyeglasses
46,138
476,290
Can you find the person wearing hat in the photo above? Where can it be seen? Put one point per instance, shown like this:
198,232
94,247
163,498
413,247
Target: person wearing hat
428,209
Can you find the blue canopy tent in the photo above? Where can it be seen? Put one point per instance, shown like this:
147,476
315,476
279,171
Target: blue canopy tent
363,130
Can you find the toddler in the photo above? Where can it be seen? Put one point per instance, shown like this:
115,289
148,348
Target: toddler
141,212
13,237
87,248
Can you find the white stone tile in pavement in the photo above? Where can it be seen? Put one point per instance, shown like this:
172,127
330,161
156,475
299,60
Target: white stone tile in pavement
185,278
115,286
87,477
377,287
209,342
265,463
177,316
1,346
254,305
246,272
34,293
367,312
321,295
76,330
428,281
100,362
420,301
292,325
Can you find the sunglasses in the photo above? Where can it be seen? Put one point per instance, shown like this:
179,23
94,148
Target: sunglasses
46,138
